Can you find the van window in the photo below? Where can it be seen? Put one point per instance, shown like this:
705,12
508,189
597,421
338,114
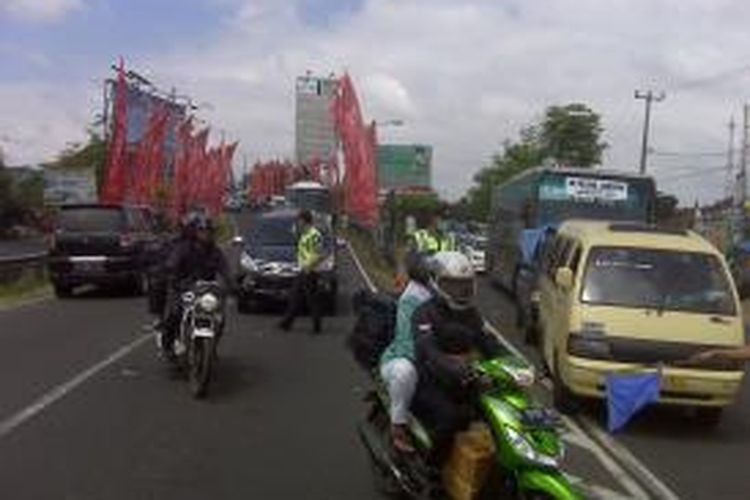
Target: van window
640,277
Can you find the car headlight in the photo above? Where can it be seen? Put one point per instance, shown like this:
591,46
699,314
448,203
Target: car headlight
247,262
522,446
208,302
590,342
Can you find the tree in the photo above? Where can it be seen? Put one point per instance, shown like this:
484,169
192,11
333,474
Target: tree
570,135
92,154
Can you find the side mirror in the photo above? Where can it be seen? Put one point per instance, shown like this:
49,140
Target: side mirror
238,240
564,278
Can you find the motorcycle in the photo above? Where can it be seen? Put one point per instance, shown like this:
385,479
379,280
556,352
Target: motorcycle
200,328
526,441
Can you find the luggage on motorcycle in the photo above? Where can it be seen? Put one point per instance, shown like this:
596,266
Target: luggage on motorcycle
375,315
470,460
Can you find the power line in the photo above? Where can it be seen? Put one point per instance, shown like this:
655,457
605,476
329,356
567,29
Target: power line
698,173
681,154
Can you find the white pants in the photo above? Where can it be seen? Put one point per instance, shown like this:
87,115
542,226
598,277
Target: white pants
400,377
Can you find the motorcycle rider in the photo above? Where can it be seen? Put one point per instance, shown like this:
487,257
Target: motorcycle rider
397,369
453,335
195,257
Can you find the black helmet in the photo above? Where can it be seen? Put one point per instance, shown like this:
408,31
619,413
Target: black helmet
417,267
196,221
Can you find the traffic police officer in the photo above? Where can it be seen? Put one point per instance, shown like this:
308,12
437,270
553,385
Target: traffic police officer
305,290
430,240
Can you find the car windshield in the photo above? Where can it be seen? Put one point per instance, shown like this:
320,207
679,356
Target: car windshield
639,277
273,232
479,243
92,219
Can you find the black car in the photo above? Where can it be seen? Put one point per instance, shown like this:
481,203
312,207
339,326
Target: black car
101,244
267,263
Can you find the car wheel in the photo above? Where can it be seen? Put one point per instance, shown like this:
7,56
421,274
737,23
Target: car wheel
138,285
62,291
244,305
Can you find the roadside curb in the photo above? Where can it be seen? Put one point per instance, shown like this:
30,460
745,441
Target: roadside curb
36,298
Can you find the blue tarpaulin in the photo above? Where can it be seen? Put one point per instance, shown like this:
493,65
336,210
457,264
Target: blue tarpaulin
627,394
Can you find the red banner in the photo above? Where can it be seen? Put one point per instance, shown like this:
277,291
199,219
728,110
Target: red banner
358,145
113,190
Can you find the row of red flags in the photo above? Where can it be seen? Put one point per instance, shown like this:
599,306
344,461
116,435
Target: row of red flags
199,174
271,178
358,143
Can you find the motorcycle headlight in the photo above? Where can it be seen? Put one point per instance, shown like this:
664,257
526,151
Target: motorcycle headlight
248,263
523,376
522,446
209,302
327,264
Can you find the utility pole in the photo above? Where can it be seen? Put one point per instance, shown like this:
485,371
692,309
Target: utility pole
742,177
649,97
729,190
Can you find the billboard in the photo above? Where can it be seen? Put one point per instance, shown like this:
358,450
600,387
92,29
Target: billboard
63,186
404,166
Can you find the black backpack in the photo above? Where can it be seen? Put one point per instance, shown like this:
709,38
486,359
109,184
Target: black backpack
374,326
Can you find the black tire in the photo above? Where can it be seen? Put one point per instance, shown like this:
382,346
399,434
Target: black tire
200,364
709,416
564,400
62,291
138,285
244,305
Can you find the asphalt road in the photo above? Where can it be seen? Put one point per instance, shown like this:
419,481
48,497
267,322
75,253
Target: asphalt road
87,411
279,422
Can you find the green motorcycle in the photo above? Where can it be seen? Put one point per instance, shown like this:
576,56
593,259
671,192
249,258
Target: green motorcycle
528,448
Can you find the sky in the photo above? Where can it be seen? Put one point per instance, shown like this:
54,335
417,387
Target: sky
463,75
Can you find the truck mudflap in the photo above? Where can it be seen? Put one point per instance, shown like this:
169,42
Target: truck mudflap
546,484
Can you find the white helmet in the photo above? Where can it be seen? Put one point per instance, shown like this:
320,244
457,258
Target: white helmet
453,279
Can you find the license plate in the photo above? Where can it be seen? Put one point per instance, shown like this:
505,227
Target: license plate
89,266
203,332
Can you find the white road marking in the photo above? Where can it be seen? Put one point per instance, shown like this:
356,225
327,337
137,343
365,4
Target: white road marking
620,474
626,458
9,424
602,447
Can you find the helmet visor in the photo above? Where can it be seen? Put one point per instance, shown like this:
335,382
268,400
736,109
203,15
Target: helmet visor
460,290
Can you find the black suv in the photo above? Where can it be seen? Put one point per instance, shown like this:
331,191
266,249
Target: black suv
101,244
267,263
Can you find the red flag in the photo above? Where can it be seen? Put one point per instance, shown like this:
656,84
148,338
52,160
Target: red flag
357,143
114,184
181,166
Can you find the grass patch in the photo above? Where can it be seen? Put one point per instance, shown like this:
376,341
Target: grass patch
30,285
380,271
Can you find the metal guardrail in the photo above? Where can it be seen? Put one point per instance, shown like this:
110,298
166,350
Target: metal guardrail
13,267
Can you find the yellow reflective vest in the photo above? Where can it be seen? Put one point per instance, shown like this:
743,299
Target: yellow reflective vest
431,243
309,247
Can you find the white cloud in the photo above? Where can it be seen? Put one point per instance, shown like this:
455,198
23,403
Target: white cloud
466,75
39,120
39,10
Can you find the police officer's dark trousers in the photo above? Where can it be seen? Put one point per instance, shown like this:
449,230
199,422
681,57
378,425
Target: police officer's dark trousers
304,292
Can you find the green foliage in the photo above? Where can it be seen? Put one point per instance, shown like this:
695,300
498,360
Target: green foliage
568,135
20,200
